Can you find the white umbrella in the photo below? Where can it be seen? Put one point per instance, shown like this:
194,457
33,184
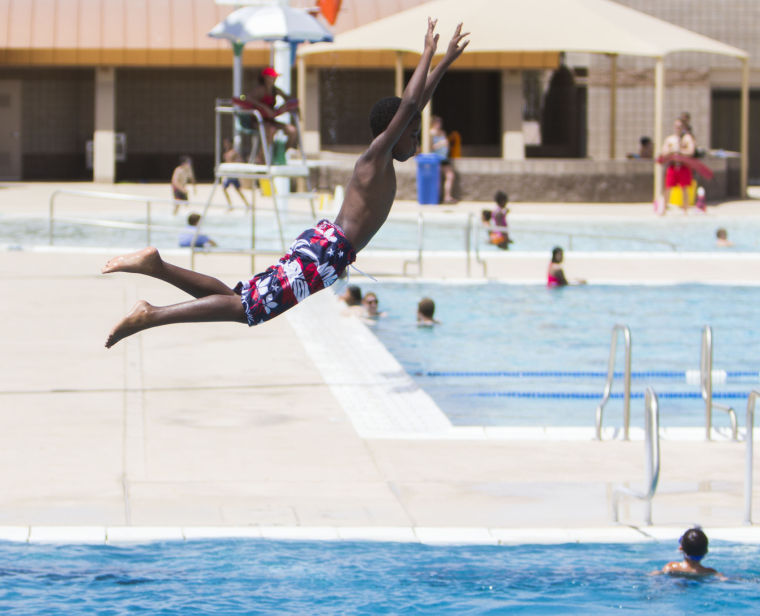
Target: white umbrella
266,22
271,22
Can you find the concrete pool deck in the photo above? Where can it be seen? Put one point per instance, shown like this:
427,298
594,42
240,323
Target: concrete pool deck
189,427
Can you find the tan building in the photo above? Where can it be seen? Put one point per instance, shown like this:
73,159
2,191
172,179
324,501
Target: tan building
138,79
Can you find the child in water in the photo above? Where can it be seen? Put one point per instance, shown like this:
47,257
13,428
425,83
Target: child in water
693,544
319,255
500,236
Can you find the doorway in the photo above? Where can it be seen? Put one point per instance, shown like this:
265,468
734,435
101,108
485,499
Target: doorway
10,130
724,124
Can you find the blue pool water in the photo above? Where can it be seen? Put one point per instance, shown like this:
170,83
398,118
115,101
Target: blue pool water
256,577
526,355
232,231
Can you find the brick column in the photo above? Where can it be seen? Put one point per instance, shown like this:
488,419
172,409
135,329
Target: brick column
512,141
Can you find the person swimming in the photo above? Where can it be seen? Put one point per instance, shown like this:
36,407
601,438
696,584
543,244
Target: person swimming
555,277
693,543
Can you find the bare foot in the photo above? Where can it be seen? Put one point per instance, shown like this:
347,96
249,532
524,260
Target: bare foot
145,261
136,320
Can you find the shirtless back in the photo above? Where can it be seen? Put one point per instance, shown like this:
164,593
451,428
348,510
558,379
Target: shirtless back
372,188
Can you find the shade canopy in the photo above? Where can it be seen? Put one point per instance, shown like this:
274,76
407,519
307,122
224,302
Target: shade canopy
515,33
513,26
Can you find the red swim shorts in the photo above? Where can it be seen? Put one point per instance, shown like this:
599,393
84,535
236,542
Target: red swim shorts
314,261
677,175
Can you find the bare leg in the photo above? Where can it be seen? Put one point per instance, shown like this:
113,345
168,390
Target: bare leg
148,262
665,201
242,196
292,135
206,309
227,196
448,184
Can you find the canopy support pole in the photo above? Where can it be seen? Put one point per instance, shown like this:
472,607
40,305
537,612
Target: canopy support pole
301,84
425,145
399,73
659,100
744,131
613,103
237,87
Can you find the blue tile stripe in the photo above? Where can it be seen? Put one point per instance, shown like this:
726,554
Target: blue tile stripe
517,374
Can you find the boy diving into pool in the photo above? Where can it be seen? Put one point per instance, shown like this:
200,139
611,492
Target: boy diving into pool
319,255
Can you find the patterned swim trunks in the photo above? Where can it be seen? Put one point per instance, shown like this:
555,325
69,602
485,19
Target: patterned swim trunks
314,261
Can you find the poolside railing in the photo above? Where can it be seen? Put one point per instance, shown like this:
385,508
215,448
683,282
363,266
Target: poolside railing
623,238
147,225
471,245
569,239
705,379
749,455
652,459
626,332
420,235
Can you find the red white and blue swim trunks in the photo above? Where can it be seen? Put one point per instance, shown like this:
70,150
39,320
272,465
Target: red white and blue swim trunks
314,261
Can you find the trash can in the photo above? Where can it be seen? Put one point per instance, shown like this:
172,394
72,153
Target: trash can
428,178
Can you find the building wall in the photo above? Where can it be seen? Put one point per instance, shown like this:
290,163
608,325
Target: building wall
56,121
167,113
345,100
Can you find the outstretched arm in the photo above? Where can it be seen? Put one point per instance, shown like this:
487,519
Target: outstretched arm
454,50
415,89
411,100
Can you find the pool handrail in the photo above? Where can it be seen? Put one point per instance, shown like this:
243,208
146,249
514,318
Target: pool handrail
705,379
616,330
749,454
114,196
570,236
418,260
478,258
627,238
148,225
652,453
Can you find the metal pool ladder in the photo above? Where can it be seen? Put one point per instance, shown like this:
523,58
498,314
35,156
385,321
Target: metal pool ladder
705,379
749,446
652,442
617,329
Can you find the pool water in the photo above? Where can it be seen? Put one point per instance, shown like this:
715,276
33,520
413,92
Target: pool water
525,355
253,577
232,231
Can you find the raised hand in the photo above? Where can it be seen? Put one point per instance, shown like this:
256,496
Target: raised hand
455,49
431,38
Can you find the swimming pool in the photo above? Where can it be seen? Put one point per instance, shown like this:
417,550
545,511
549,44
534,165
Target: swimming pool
440,232
524,355
232,577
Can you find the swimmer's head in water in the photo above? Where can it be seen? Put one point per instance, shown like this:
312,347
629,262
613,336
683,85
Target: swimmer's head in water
694,543
426,307
380,117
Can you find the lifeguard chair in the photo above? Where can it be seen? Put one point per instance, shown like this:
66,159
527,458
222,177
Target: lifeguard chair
268,170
